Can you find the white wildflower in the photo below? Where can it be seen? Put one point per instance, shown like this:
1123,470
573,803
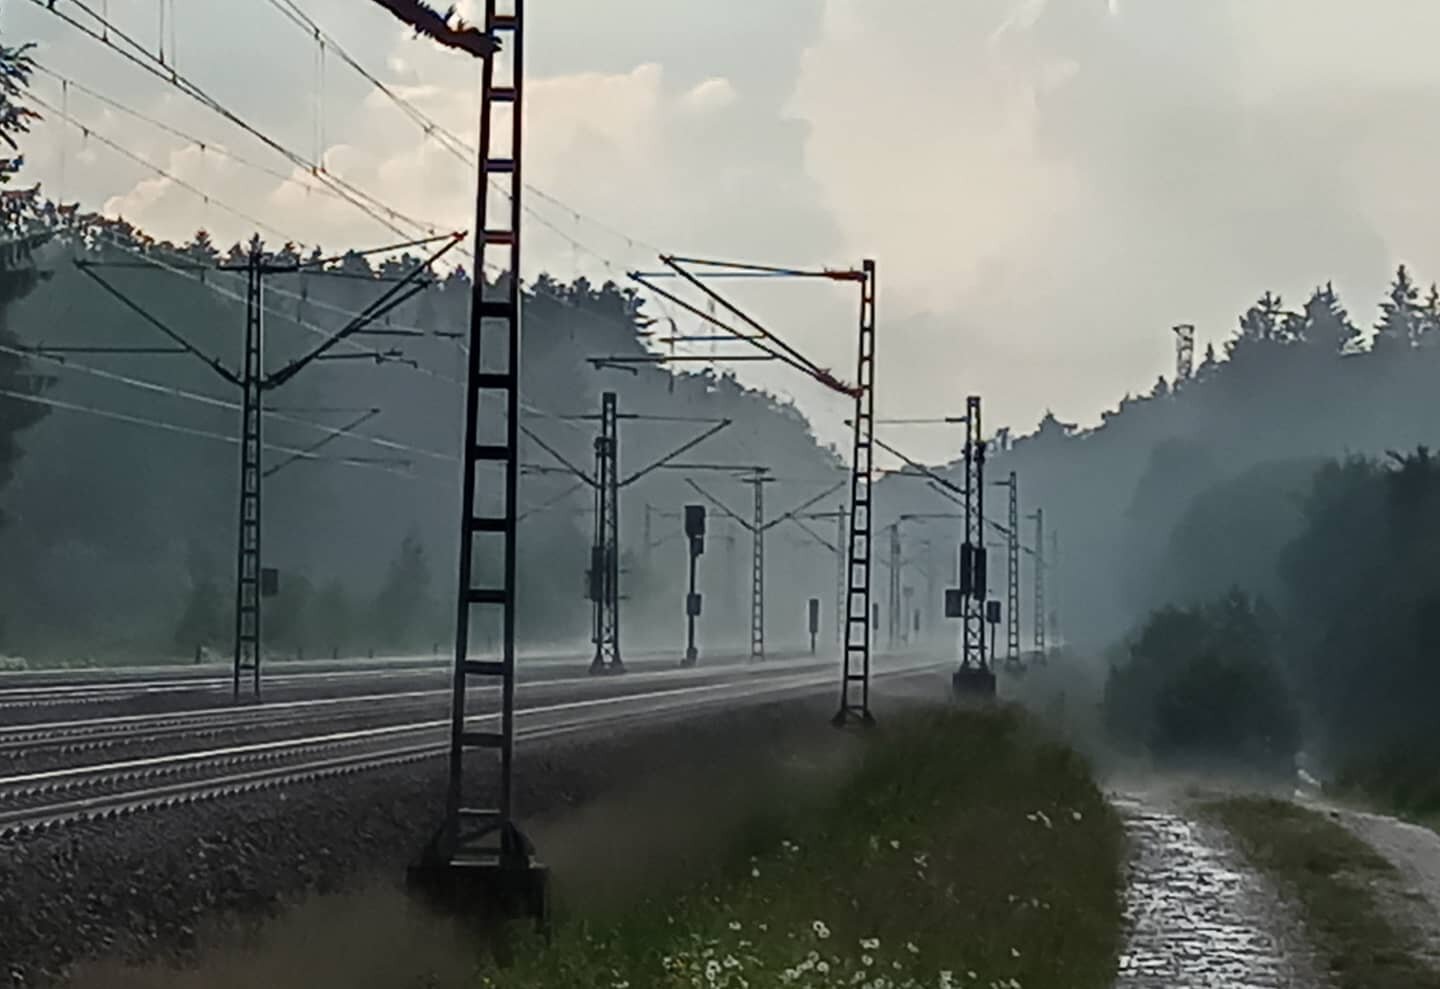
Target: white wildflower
1077,816
895,844
1014,952
947,979
821,931
910,947
712,970
823,967
867,960
870,943
734,925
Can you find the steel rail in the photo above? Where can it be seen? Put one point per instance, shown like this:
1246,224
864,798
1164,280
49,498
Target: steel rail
244,769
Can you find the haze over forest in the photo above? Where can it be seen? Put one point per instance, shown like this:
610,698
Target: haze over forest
113,528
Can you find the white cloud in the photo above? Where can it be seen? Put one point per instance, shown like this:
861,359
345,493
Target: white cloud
1050,186
712,94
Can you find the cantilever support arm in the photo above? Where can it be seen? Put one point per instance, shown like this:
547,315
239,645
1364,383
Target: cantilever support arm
669,457
533,436
749,526
549,503
307,452
916,465
792,356
815,535
399,292
212,362
808,504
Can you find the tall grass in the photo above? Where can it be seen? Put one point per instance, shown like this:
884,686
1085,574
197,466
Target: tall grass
964,850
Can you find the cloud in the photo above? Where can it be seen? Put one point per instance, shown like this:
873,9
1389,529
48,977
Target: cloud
1050,186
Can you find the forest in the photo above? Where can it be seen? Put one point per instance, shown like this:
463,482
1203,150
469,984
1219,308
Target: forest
363,537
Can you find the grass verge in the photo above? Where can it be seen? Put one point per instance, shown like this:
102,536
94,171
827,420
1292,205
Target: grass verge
1332,875
964,850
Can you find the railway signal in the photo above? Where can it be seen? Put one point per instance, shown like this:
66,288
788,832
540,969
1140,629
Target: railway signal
757,526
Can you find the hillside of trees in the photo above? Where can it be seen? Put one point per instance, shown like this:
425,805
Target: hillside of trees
1291,387
120,534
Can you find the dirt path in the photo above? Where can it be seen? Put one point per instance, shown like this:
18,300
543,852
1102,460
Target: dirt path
1198,918
1412,897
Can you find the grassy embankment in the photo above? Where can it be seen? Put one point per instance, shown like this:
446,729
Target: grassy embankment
964,850
1332,876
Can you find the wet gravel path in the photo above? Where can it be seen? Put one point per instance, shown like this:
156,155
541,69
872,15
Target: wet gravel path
1197,917
1412,898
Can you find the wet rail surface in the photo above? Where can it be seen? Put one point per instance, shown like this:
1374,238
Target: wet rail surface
1197,917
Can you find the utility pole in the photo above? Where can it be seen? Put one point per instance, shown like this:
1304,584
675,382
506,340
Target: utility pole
1053,561
605,551
483,845
1012,574
758,480
855,670
895,620
842,576
253,581
974,675
1038,629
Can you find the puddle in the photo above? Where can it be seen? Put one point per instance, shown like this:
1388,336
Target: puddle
1196,918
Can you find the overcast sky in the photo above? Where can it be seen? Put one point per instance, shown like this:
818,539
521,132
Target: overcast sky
1046,186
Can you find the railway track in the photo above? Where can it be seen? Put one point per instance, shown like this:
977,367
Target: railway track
75,737
41,689
36,801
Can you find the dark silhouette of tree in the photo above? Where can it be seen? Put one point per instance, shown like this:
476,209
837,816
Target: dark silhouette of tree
201,248
1263,325
1429,335
1401,316
1325,323
1201,685
18,275
15,117
1208,365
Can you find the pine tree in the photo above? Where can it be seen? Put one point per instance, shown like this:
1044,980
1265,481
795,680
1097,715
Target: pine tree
1326,323
1209,365
1399,326
1429,335
1263,323
202,248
